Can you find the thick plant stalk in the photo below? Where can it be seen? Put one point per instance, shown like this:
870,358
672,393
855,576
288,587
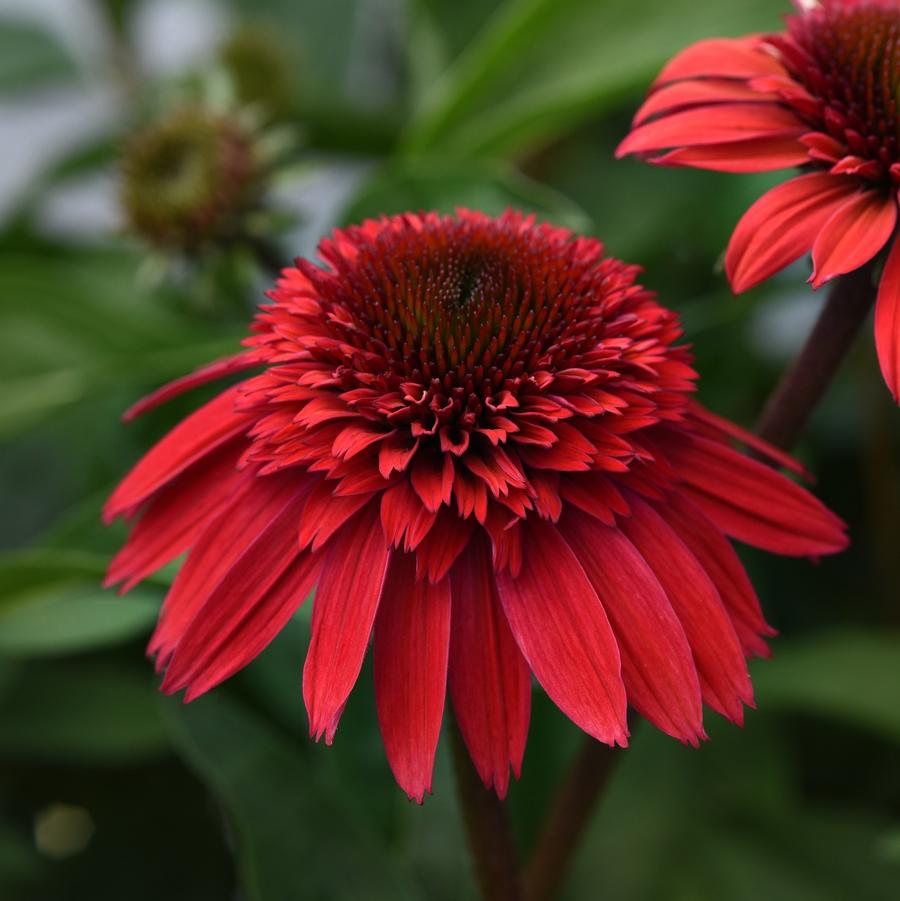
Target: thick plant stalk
487,827
568,818
807,378
784,417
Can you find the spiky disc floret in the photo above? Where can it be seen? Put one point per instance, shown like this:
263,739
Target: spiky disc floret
467,361
847,56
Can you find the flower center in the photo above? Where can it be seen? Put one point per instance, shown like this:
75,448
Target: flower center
456,301
848,58
511,346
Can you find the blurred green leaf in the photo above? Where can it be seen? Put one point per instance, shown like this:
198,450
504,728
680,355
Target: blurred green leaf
51,603
29,56
850,675
64,620
444,186
294,837
78,711
72,329
539,66
726,821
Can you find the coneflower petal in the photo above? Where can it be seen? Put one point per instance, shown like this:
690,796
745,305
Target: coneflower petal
490,684
409,654
353,573
657,667
853,235
782,226
563,632
887,321
721,667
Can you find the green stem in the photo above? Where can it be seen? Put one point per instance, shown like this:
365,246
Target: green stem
803,384
487,827
568,819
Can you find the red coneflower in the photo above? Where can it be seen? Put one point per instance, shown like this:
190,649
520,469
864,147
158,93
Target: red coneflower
824,95
476,437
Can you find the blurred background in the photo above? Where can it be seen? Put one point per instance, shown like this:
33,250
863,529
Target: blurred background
161,158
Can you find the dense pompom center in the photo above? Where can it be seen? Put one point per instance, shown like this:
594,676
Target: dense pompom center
848,58
479,357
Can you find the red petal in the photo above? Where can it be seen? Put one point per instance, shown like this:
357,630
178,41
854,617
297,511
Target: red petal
853,235
202,432
720,662
176,517
726,427
716,124
228,631
782,225
209,373
753,503
887,321
325,513
489,680
753,155
353,572
442,545
716,555
561,629
412,635
657,667
721,58
681,94
222,545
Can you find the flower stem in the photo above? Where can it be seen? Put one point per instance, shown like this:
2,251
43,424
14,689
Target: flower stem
568,819
487,827
804,383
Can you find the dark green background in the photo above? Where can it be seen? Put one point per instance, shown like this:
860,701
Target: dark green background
480,103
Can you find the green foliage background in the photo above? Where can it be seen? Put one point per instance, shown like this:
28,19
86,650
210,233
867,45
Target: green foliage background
424,104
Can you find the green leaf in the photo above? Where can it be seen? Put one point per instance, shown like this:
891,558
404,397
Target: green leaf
71,330
29,56
853,676
97,712
64,620
540,66
295,836
51,603
444,186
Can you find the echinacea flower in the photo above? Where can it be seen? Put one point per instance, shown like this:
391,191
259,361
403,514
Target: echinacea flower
476,437
823,95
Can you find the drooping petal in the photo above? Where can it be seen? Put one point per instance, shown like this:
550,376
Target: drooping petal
176,517
353,573
724,427
782,225
194,437
752,502
700,92
233,628
714,124
227,538
218,369
853,235
564,634
657,666
753,155
721,58
724,681
490,684
410,649
887,321
716,555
